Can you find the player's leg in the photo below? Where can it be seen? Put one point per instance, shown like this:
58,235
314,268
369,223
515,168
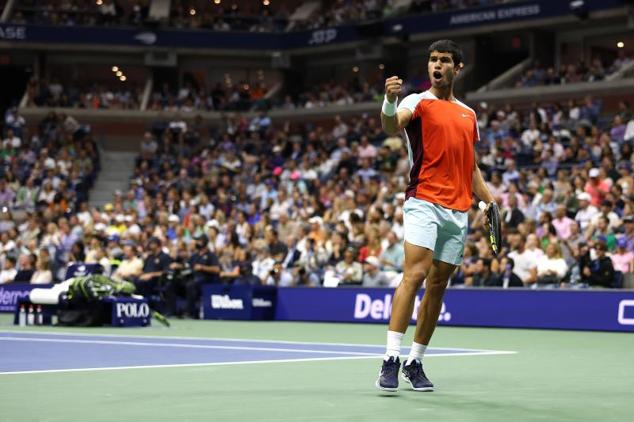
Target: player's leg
415,268
431,304
417,262
426,324
447,257
420,237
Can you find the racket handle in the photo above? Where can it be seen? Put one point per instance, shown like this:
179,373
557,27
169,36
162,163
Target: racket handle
482,205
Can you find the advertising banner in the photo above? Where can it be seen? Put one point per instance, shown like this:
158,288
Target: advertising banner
238,302
562,309
11,293
129,312
512,12
186,38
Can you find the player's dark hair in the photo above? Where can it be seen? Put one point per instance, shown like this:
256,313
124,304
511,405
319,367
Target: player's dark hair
447,46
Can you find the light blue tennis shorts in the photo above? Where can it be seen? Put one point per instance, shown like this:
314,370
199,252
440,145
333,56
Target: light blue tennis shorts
440,229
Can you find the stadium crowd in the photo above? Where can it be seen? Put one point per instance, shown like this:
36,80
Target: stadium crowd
243,96
81,12
237,15
45,178
191,96
53,93
596,70
259,202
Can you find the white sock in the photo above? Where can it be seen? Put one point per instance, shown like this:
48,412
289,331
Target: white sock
394,339
416,352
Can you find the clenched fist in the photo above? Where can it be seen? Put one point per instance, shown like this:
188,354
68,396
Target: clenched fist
393,88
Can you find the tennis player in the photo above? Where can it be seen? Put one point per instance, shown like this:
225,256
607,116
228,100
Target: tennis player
441,133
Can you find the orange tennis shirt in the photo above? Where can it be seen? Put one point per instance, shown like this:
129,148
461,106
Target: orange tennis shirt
440,140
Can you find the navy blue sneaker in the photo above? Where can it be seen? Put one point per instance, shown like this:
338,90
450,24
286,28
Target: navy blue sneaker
414,374
388,377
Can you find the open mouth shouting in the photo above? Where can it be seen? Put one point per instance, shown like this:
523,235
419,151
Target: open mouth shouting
437,75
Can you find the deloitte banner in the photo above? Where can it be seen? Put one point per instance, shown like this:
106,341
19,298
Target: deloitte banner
562,309
11,293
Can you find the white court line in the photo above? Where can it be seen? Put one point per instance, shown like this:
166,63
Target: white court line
70,333
250,362
182,345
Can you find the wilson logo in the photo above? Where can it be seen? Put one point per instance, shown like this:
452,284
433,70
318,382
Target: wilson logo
225,302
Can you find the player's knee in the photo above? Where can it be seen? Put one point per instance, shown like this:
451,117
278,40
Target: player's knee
415,277
436,284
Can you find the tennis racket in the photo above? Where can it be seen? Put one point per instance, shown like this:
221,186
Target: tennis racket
495,229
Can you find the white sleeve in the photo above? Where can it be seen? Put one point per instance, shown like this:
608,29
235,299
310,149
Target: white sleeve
562,268
409,103
629,130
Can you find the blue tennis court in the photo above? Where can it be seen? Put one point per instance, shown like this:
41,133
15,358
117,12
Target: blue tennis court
48,352
308,372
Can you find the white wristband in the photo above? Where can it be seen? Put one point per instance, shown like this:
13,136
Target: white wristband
389,109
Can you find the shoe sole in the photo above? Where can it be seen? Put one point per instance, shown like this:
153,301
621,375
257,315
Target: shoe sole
386,389
422,389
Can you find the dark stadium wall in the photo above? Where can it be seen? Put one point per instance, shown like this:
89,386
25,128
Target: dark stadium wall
499,51
14,79
542,46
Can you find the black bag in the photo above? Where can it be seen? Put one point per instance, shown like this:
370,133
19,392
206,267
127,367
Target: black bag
548,279
78,313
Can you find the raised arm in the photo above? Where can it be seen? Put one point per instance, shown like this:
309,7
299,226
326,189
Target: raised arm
392,121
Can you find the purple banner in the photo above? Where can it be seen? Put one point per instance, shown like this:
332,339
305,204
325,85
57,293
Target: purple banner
602,310
129,312
244,302
10,293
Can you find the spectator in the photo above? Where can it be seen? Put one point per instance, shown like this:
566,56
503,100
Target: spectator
544,203
507,276
43,274
551,269
277,249
393,255
525,261
247,277
510,174
25,268
372,247
562,223
490,275
263,263
598,272
471,266
292,255
311,263
596,187
206,269
628,223
155,267
622,258
348,271
373,276
131,267
496,187
8,273
614,222
586,211
7,195
602,232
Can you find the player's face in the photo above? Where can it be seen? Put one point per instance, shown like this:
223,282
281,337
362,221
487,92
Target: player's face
441,69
